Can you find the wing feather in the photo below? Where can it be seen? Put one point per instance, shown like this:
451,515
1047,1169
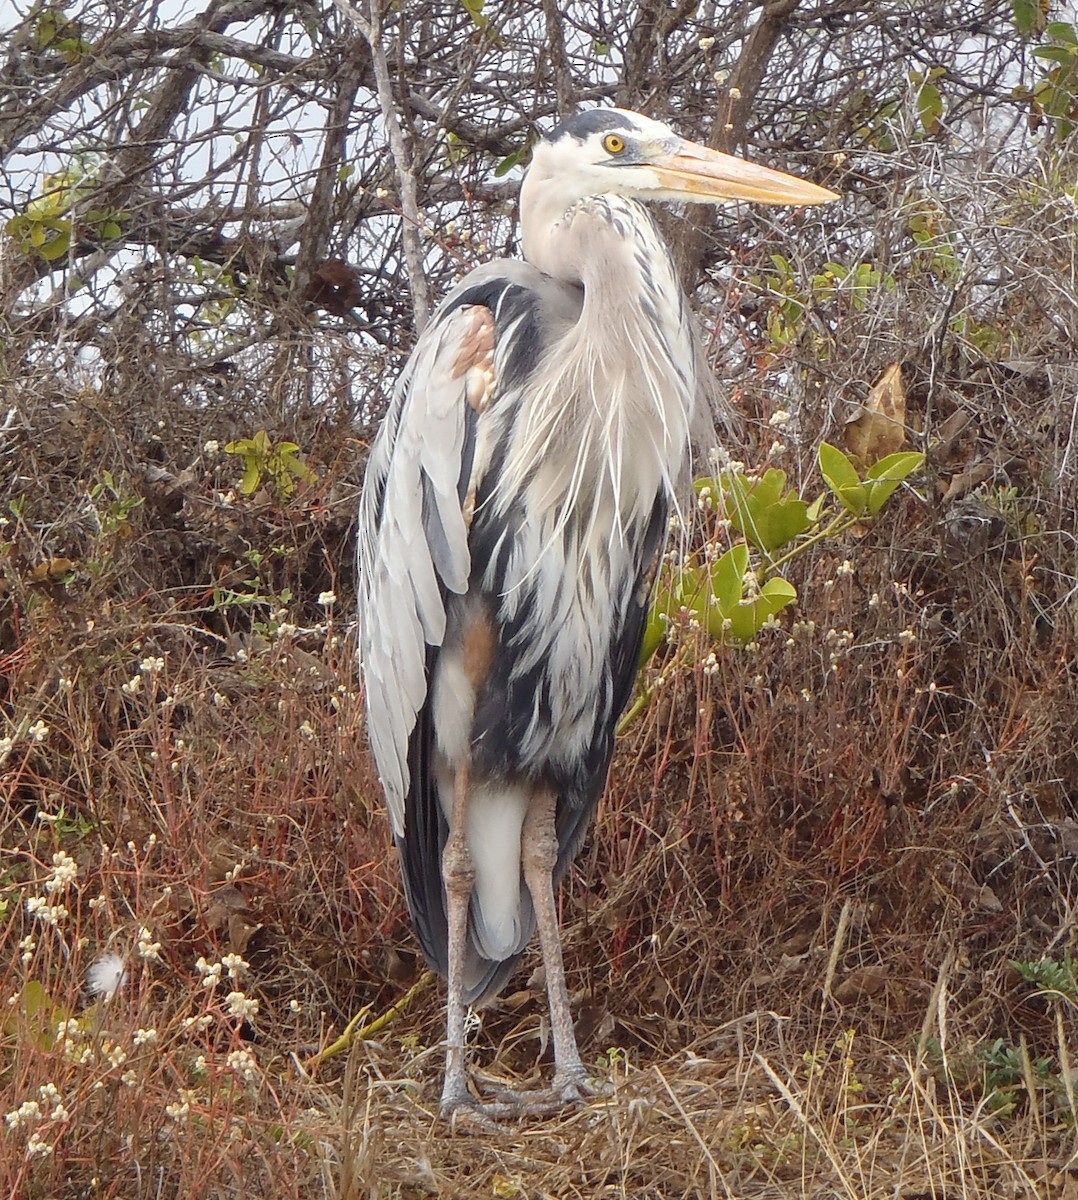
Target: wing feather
413,545
424,471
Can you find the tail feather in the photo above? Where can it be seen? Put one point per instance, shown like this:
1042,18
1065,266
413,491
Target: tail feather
501,920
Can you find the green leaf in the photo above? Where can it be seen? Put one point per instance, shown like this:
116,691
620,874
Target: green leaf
929,107
58,245
251,476
509,162
728,581
1056,54
34,998
752,615
654,632
842,478
670,596
1062,31
730,614
1028,16
765,512
884,476
298,468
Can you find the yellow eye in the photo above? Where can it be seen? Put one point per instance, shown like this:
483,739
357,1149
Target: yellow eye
613,144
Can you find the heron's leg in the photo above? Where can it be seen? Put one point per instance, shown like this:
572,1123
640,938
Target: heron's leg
458,874
539,849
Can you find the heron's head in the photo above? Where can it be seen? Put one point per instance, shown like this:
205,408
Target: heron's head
613,150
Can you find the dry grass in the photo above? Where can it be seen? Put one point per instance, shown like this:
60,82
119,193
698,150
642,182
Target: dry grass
791,933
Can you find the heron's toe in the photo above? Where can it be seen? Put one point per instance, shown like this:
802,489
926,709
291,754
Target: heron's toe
577,1086
467,1116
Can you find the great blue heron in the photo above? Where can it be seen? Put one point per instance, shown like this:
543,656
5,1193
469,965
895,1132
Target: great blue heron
514,510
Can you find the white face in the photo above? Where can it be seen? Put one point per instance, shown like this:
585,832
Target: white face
604,150
613,150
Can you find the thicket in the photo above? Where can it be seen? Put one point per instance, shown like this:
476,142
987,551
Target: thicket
821,940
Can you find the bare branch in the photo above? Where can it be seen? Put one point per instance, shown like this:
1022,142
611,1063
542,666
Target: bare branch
313,239
411,235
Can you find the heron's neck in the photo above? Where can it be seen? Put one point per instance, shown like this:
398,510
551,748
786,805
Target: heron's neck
619,388
612,248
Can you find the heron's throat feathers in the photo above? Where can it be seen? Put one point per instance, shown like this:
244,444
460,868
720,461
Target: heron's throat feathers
606,424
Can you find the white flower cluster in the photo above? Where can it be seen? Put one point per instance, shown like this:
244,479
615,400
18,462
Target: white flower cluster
147,947
244,1063
48,908
242,1006
179,1110
50,1107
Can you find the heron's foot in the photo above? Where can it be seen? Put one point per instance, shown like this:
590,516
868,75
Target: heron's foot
576,1086
466,1115
473,1116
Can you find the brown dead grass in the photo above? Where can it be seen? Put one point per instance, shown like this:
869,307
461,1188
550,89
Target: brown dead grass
789,937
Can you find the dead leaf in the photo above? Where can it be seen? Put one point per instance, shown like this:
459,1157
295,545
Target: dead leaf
965,481
987,901
51,568
224,902
240,933
859,984
949,432
879,428
1065,1185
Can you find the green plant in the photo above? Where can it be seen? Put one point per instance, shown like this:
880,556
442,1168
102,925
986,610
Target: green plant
786,319
279,463
1058,979
1056,95
47,227
929,98
55,31
118,503
733,596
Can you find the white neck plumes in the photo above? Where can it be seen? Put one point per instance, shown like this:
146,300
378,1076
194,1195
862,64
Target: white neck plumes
609,416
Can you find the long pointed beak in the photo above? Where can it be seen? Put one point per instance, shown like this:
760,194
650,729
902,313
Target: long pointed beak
694,172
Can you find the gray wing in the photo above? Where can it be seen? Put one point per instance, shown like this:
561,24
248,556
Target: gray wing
413,541
436,445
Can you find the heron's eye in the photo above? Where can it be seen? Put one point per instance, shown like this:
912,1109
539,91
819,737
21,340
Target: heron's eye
613,144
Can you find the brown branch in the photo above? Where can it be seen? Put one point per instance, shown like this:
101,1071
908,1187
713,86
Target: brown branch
741,89
371,28
316,229
123,55
559,62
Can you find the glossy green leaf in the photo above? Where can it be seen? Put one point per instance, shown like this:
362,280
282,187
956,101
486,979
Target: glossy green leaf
885,476
509,162
1056,54
765,512
1028,16
57,245
1063,31
670,597
654,632
750,616
728,578
842,478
